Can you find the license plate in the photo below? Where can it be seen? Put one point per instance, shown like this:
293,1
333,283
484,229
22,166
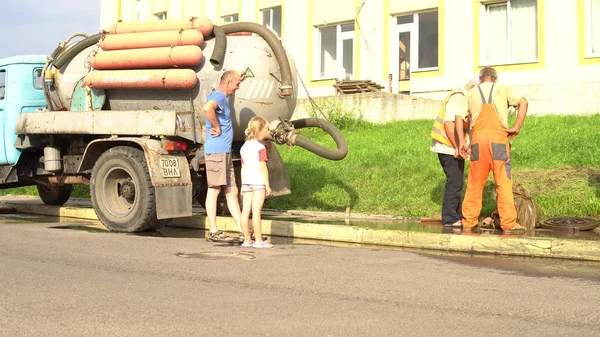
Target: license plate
170,168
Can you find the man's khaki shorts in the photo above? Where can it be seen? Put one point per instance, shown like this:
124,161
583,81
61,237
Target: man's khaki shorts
219,170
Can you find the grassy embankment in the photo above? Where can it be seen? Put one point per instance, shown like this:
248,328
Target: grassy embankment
390,170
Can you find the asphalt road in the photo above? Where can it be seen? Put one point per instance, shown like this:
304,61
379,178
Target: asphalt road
67,282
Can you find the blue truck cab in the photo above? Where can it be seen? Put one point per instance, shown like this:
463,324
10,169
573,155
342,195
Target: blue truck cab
21,82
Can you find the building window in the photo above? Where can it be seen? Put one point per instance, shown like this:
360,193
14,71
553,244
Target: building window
417,42
271,18
592,11
511,32
160,16
230,18
336,51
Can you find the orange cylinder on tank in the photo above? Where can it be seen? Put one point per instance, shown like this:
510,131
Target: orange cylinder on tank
187,37
147,58
142,79
203,25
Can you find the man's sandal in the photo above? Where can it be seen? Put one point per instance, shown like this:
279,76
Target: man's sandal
218,237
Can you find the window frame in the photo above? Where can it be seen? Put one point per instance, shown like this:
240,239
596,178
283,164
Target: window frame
230,18
340,37
483,47
589,53
413,28
270,26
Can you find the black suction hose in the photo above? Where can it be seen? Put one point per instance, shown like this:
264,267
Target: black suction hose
218,54
305,143
56,51
72,51
264,32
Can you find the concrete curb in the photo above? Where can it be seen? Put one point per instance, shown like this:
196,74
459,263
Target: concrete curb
468,243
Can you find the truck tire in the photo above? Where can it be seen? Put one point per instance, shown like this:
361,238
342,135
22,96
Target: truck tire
122,192
54,194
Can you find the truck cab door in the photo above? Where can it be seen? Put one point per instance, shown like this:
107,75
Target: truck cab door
3,97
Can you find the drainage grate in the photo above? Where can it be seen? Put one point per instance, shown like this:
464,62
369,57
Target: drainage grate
569,224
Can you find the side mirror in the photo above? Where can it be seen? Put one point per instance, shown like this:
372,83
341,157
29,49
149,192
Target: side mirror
2,93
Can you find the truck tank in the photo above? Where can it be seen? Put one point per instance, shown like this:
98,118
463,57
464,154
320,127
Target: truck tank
259,93
269,88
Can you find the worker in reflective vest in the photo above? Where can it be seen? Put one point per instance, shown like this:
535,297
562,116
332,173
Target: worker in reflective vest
489,148
444,143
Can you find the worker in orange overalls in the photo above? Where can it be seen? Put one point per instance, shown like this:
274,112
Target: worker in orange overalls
489,149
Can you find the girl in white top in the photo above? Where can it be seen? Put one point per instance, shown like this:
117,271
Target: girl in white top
255,180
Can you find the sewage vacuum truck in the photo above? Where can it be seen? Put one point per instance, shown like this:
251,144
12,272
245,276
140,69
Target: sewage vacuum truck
122,111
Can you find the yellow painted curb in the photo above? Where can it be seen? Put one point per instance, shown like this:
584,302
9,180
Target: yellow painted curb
490,244
59,211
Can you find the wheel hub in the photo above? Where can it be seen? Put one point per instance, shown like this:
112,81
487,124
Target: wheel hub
127,190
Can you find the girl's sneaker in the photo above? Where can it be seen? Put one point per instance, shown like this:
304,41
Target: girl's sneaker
262,244
248,244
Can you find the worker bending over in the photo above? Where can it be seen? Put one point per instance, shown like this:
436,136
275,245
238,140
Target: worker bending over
489,149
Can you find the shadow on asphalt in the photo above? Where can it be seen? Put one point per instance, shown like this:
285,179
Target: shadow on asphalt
181,232
527,266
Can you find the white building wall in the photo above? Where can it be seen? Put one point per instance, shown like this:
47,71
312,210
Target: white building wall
562,85
175,10
332,11
108,10
193,8
248,11
458,58
397,7
371,37
229,7
295,39
211,10
144,10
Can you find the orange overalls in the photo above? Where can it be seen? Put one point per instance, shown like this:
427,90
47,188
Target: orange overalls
489,151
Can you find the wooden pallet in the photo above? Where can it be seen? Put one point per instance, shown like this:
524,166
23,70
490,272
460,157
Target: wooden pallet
345,87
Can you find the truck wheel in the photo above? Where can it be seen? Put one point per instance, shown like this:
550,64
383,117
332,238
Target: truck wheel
54,194
122,193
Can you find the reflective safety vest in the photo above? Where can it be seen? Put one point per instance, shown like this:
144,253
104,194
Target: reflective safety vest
438,132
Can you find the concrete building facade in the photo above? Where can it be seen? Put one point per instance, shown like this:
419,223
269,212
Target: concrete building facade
548,49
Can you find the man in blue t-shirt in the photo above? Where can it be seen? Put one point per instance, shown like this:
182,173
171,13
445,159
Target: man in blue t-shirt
217,153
